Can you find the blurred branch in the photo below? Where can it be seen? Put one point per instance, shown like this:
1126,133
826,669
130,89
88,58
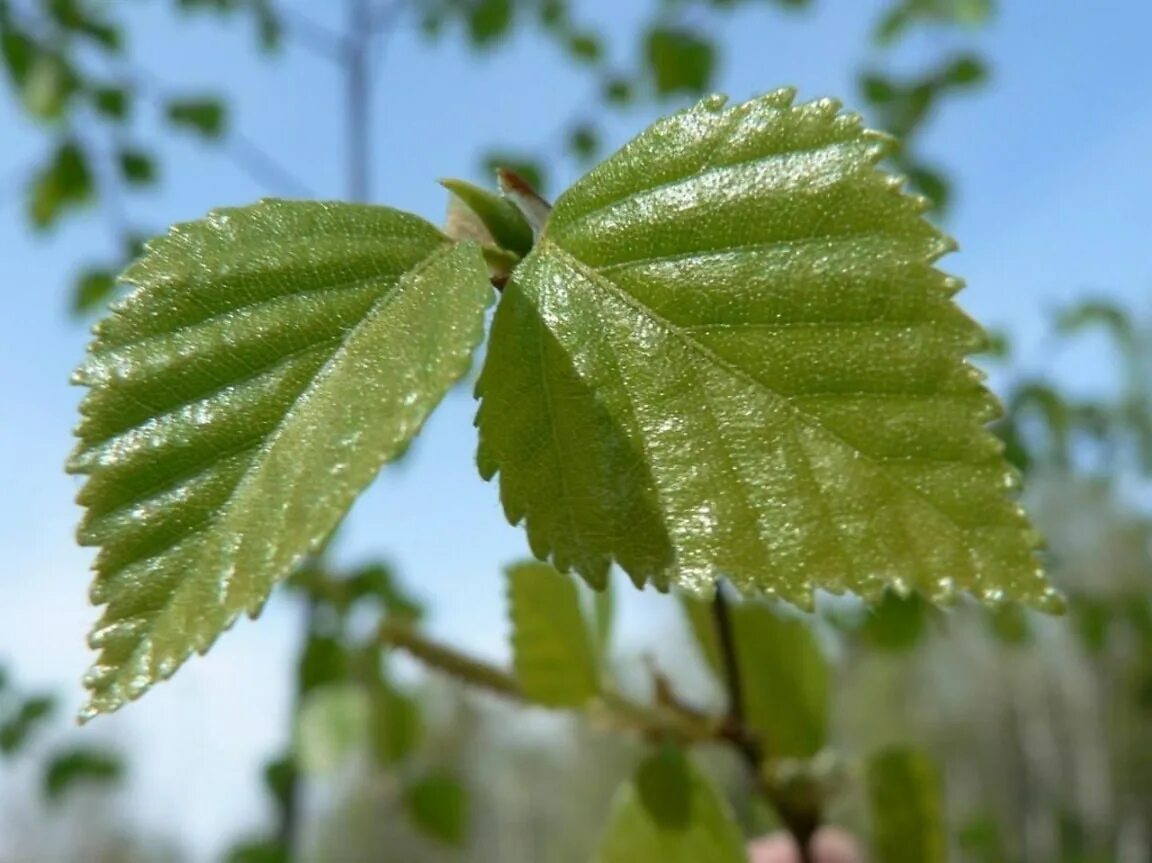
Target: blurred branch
259,164
253,159
659,721
314,37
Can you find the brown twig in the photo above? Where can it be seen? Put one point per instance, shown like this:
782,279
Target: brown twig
801,820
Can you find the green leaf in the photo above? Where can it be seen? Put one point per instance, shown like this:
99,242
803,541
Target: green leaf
271,359
137,167
206,117
111,102
93,287
680,61
907,808
585,47
729,354
80,765
396,724
897,623
584,141
65,183
280,777
503,221
332,724
784,673
552,649
489,20
324,661
438,806
259,851
670,813
16,730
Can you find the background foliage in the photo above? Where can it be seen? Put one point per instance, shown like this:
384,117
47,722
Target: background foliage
1033,731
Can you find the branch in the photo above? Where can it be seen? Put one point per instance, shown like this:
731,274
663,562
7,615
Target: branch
314,37
669,717
658,722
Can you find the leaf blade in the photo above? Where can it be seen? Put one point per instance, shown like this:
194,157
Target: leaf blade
552,650
730,353
270,361
669,812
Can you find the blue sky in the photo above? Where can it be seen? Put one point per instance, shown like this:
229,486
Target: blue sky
1052,167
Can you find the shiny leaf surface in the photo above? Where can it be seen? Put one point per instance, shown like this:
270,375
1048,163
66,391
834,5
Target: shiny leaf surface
270,360
730,353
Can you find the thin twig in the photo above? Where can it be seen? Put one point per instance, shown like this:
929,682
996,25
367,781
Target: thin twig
314,37
658,721
260,165
358,98
801,822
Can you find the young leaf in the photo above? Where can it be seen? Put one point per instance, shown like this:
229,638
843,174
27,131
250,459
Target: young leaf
670,813
271,359
77,766
907,811
552,648
729,353
783,672
438,805
333,722
396,724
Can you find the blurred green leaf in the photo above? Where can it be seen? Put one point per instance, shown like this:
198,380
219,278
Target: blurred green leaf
1102,314
585,47
903,15
552,650
280,776
324,661
669,813
332,724
618,91
489,20
897,623
679,61
1010,625
438,806
1093,618
930,183
65,183
226,432
204,116
397,725
76,16
112,102
81,765
259,851
784,673
94,286
137,167
584,142
906,808
17,729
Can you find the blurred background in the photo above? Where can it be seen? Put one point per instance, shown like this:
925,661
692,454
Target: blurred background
1026,123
